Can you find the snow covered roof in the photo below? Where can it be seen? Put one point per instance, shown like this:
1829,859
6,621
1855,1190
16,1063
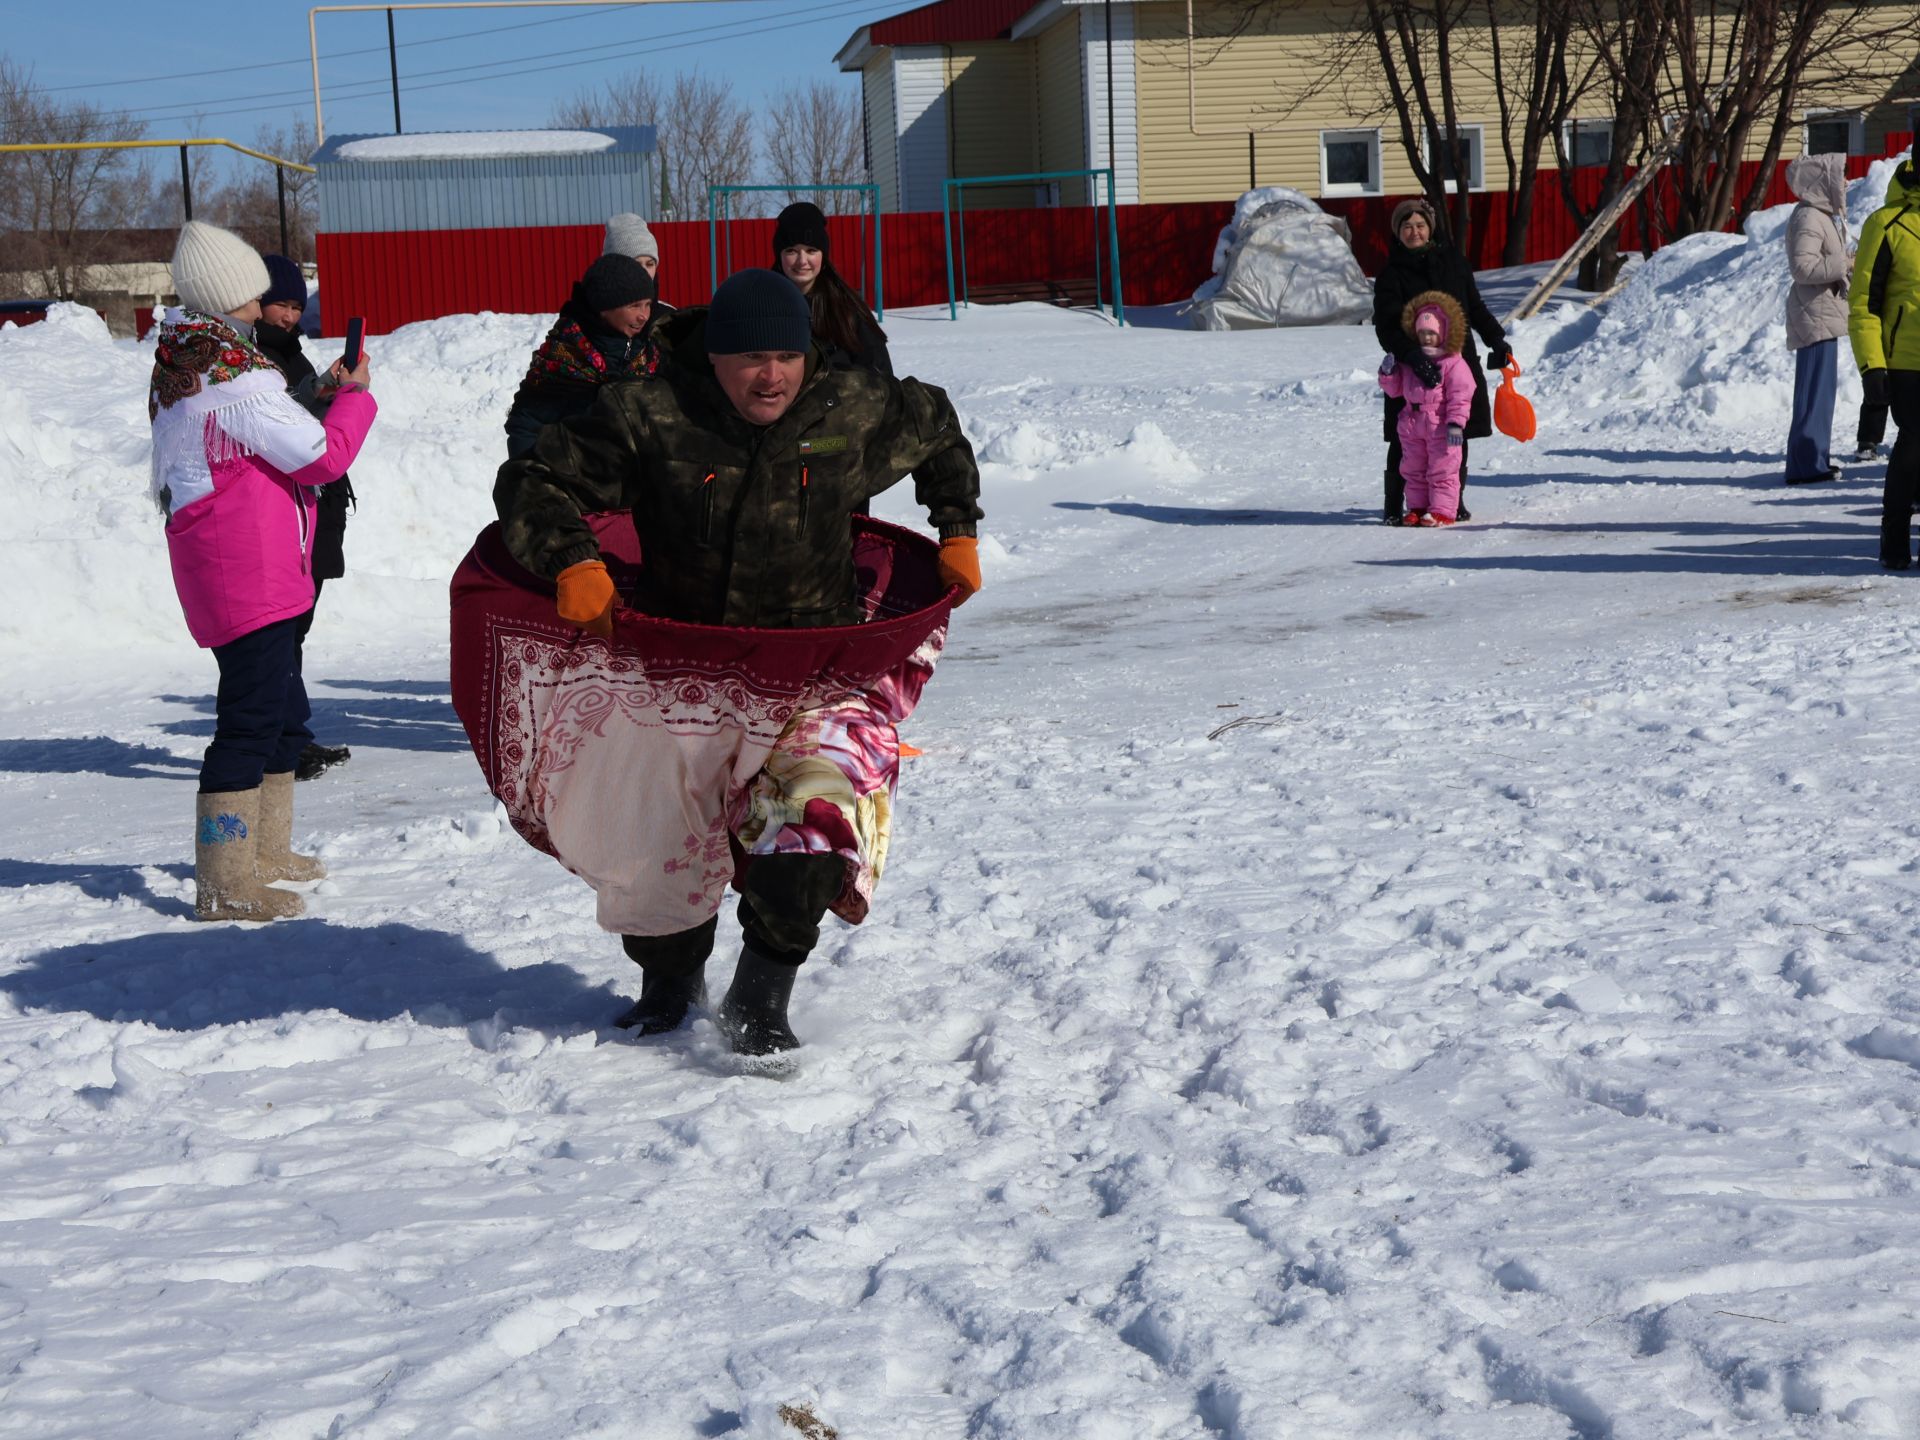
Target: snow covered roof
484,145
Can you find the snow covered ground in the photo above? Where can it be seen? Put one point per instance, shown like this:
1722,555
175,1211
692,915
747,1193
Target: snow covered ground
1331,981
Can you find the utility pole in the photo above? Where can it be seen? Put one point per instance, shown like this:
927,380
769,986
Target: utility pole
186,184
393,64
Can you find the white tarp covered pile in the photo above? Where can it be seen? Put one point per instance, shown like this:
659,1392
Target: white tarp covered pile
1282,261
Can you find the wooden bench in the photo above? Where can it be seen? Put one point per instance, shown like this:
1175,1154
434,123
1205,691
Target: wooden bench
1048,292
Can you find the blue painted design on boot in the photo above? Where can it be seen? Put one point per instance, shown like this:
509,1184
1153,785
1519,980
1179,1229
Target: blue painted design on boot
222,829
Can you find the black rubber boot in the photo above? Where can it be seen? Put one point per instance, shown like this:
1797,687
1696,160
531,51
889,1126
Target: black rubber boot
664,1001
316,760
673,977
754,1013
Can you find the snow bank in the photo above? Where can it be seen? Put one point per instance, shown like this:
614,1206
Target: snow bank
1697,338
88,563
475,144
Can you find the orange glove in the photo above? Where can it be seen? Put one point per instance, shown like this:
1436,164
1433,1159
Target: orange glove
586,597
960,565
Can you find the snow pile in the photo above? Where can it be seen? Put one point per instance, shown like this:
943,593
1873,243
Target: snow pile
1282,260
475,145
1697,338
88,563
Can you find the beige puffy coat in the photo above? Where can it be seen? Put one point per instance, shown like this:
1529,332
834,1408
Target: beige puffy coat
1817,251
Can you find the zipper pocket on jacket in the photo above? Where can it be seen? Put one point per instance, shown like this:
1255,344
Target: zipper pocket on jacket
300,512
1894,333
805,491
706,510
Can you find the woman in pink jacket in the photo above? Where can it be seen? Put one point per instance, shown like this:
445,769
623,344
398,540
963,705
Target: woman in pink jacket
1432,424
237,468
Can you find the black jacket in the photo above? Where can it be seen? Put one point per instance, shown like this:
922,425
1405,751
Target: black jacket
556,385
739,524
282,347
1412,272
872,355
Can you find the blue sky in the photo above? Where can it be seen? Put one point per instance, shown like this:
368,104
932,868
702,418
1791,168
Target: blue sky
244,65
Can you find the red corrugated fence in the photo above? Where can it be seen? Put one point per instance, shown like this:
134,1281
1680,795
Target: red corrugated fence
1165,251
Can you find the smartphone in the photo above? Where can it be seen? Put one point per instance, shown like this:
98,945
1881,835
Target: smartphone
356,328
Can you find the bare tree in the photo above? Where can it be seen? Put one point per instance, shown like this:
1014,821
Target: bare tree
249,203
1631,40
814,133
1538,85
1409,60
54,205
705,134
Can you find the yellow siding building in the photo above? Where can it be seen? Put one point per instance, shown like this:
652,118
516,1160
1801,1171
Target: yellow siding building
1184,106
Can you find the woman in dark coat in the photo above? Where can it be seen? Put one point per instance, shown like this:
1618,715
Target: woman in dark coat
1418,259
603,334
843,326
282,309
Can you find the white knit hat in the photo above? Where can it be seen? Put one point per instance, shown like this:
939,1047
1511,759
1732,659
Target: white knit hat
215,271
627,234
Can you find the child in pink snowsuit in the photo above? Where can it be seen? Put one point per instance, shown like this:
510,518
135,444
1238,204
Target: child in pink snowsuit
1432,426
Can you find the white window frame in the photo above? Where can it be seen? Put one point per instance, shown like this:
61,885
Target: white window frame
1570,131
1475,181
1856,129
1372,139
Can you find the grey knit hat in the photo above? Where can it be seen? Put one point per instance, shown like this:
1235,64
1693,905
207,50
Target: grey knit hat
215,271
758,310
627,234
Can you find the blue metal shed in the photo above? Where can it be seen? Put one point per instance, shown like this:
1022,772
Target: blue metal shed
485,179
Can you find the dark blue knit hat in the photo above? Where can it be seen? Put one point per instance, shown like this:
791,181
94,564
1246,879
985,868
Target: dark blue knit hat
758,310
288,286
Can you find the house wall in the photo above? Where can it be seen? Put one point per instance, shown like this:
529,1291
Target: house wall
1060,104
1125,156
921,108
883,130
991,112
1273,81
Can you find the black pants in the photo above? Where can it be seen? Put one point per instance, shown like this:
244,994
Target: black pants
781,906
1873,426
1397,483
306,620
1903,470
260,719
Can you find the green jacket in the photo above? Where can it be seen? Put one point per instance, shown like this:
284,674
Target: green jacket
739,524
1883,320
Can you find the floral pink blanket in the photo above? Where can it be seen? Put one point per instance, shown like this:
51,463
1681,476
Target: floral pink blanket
657,765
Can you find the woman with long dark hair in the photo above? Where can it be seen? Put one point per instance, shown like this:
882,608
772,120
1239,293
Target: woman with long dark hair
842,323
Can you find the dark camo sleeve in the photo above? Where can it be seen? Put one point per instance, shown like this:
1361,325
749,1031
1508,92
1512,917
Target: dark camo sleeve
587,463
920,435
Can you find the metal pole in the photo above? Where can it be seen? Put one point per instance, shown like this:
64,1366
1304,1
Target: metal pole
393,62
1113,240
186,185
946,222
280,176
960,202
879,275
713,247
1252,182
1112,158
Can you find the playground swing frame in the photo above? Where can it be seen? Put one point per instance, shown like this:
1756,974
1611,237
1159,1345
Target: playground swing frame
955,190
722,194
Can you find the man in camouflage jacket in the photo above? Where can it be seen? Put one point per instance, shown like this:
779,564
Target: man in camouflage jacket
742,462
742,523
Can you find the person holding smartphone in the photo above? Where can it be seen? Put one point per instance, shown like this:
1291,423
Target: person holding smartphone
281,311
237,471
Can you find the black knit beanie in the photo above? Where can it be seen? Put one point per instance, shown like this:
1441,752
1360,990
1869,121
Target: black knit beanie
613,281
799,224
758,310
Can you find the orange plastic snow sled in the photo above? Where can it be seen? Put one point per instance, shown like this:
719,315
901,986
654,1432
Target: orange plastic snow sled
1512,411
